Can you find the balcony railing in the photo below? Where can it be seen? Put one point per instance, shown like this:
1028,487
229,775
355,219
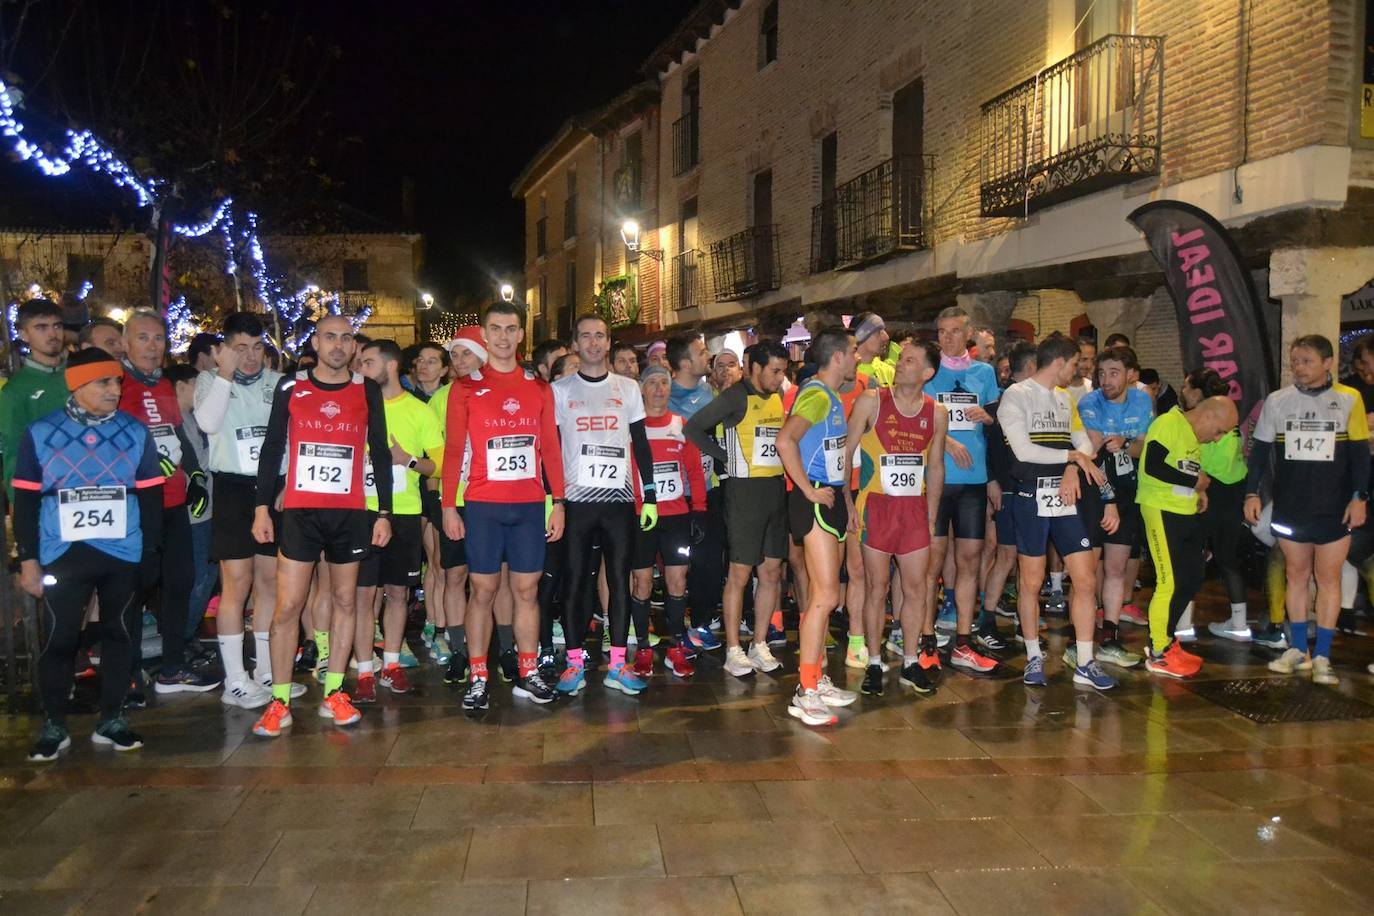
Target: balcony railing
747,263
686,141
878,213
1086,123
687,279
823,236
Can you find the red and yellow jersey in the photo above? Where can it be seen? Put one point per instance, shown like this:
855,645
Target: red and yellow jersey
892,455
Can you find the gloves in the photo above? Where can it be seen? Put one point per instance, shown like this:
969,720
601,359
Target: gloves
197,497
149,569
648,517
698,527
167,466
548,508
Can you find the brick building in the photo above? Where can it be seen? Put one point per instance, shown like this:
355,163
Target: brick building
823,158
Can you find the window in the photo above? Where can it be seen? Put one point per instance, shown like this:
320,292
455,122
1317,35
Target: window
541,236
768,34
572,286
570,209
355,275
763,198
627,177
83,268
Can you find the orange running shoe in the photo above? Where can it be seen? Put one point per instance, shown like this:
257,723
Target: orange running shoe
340,708
276,717
1174,662
1187,660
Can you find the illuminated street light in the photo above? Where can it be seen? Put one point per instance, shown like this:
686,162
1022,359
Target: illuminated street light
507,293
629,234
428,300
118,315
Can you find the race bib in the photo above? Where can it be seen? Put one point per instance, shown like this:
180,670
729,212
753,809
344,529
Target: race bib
1187,467
766,447
88,513
1309,440
903,475
398,480
324,468
248,440
1125,465
957,403
667,480
602,466
510,458
1048,502
167,442
834,457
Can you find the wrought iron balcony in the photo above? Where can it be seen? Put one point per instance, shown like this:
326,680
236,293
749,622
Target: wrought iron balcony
686,141
873,216
747,263
823,236
1086,123
687,280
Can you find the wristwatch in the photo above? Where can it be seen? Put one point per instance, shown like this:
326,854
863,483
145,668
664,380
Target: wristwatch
413,463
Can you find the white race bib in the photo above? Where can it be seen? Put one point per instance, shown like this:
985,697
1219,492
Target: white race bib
602,466
398,480
87,513
667,480
324,468
1048,502
834,457
957,403
167,442
1125,465
510,458
903,475
249,441
1309,440
1187,467
766,447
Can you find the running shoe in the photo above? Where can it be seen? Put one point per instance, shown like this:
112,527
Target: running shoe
989,640
894,641
475,701
115,733
1092,675
703,639
830,642
737,663
915,677
652,642
366,691
570,682
1224,630
1186,635
1345,622
1070,656
1271,637
1130,613
532,687
1170,663
776,636
717,624
622,678
1114,652
137,697
548,668
1292,661
245,694
457,670
857,660
967,659
408,659
948,618
943,639
393,677
183,681
340,708
265,682
509,665
1053,603
558,638
644,663
1006,607
761,657
273,720
308,655
832,695
52,740
676,661
930,660
1322,673
1034,675
873,682
808,706
439,650
427,633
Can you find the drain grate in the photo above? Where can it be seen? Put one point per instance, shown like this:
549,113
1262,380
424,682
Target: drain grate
1268,700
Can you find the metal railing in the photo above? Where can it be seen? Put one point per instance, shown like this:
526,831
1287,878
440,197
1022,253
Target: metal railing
747,263
1090,121
879,213
823,236
687,141
687,279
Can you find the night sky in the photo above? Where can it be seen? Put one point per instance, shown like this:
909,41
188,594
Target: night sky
455,96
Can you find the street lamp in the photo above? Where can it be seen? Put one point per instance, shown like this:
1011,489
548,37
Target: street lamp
428,301
118,314
507,293
629,234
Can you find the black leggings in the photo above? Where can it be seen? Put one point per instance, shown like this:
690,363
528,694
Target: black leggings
1222,526
79,572
615,524
552,603
706,577
178,575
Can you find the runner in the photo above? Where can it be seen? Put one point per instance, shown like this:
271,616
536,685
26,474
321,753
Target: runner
676,474
105,333
811,446
1083,370
601,418
87,512
544,356
232,405
1116,417
1052,463
754,520
1172,492
38,388
966,388
322,419
505,416
870,334
431,366
417,446
624,360
152,400
901,436
1317,435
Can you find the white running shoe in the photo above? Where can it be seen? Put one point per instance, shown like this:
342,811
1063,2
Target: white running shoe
1186,635
1224,630
1292,661
832,695
245,694
808,706
297,690
1322,673
737,663
762,658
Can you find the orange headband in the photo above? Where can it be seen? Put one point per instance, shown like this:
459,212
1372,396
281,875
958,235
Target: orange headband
80,375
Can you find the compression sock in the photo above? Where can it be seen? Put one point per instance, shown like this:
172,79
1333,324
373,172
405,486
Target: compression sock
332,682
282,692
639,616
322,642
479,667
675,609
526,661
505,635
617,656
810,676
458,639
1297,635
1324,637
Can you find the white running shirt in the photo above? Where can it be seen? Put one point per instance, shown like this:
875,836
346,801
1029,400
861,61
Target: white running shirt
594,424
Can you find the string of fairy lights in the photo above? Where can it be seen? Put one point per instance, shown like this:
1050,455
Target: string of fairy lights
295,311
